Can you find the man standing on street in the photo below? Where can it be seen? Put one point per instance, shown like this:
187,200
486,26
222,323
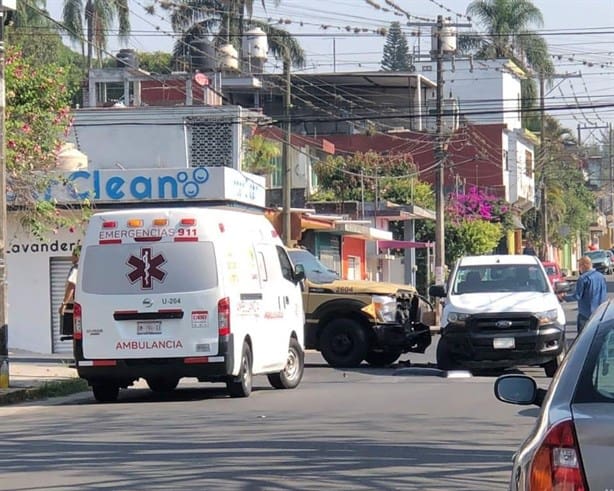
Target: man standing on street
591,291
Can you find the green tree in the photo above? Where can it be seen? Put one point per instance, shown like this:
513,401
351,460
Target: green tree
365,176
30,14
156,62
37,118
569,203
153,62
396,51
226,21
471,237
24,35
260,155
88,22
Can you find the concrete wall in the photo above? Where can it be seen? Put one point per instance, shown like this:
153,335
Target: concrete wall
28,275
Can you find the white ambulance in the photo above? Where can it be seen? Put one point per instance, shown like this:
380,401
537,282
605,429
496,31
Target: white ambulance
166,293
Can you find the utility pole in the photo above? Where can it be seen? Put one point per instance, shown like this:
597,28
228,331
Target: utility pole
438,50
440,247
286,169
541,160
5,7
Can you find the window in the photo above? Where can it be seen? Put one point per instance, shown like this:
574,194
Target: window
315,270
264,276
499,278
286,266
603,374
162,267
528,156
276,176
353,268
596,383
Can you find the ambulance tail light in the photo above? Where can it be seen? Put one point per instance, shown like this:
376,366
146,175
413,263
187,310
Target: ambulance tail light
77,321
109,224
557,463
188,222
223,317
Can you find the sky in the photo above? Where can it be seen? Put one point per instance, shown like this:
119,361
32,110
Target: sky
580,36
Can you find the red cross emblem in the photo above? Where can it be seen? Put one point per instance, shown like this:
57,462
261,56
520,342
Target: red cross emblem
146,268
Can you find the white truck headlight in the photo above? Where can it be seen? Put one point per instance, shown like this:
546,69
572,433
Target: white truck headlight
385,308
546,317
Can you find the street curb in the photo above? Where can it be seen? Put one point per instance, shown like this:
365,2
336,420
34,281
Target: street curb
46,390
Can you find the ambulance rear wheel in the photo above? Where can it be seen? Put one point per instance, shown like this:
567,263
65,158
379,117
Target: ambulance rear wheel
105,392
292,373
241,385
162,384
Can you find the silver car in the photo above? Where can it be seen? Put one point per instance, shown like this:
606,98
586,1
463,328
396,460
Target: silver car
571,447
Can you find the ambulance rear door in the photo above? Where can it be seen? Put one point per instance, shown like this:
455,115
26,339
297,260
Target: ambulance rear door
148,286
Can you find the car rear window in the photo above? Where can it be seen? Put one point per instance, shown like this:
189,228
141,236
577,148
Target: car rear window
130,269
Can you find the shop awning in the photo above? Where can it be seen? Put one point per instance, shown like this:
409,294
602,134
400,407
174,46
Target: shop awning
312,223
396,212
402,244
361,230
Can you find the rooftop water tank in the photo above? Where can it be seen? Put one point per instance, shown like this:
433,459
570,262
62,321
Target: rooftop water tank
448,38
127,58
202,53
70,159
229,58
255,44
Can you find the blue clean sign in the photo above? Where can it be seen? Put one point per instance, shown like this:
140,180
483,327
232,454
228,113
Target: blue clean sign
129,186
179,184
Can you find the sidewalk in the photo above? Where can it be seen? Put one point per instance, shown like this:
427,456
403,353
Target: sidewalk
29,372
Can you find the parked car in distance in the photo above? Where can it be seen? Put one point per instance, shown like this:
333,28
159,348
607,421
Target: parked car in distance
555,275
571,446
603,260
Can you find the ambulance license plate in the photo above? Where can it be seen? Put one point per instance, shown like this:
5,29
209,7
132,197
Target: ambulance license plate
503,343
149,327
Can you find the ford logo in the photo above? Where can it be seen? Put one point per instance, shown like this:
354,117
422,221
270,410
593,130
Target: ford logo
503,324
148,302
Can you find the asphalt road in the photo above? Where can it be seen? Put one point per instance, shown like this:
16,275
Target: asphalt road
403,428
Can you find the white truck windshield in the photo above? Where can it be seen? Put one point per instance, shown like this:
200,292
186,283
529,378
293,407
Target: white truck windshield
499,278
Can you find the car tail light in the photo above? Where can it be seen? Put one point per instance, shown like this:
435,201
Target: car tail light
77,324
223,317
557,464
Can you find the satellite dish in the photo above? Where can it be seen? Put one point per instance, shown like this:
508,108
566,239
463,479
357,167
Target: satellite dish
201,79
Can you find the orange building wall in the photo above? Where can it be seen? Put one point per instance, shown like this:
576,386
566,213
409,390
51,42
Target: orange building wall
352,246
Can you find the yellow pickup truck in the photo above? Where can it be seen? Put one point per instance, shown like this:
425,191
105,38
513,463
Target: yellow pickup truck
349,321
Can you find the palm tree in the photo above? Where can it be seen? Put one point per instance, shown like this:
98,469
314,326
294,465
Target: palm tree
99,16
30,15
508,25
226,21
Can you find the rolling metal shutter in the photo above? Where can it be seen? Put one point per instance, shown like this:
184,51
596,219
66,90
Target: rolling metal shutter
59,267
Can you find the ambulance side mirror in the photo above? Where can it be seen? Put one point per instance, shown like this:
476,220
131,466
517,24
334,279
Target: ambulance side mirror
299,273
